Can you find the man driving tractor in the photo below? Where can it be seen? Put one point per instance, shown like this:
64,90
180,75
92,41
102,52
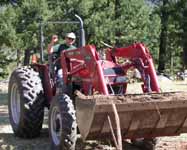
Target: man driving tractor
68,45
56,49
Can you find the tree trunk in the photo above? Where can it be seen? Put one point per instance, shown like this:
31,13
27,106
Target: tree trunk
163,37
184,37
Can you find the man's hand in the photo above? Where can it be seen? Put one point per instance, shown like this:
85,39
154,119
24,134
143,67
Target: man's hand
53,41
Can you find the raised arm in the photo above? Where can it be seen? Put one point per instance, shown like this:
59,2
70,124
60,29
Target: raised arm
51,44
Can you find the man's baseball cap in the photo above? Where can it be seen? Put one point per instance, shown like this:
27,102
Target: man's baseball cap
71,35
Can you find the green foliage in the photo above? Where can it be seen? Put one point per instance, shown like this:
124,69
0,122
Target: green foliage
175,51
7,28
116,22
28,22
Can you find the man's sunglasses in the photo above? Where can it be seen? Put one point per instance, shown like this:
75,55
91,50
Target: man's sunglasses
70,38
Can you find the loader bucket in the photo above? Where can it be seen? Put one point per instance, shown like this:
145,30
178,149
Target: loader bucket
140,115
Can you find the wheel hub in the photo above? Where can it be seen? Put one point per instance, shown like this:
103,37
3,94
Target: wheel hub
15,104
56,125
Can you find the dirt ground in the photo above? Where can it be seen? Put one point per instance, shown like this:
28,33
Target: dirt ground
9,142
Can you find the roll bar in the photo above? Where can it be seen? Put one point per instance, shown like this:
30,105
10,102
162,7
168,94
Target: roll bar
82,40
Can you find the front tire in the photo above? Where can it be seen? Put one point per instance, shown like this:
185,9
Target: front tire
25,102
62,123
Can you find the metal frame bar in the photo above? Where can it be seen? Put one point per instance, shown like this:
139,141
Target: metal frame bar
118,139
82,40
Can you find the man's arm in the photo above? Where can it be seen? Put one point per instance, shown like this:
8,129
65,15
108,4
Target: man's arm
50,48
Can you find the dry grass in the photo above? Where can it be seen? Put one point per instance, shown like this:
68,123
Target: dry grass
165,86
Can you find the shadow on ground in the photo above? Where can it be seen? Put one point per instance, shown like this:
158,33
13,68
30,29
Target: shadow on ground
9,142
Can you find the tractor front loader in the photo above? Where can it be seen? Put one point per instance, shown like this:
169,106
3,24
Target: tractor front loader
93,98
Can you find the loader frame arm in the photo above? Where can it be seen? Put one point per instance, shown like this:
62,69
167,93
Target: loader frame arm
84,64
141,58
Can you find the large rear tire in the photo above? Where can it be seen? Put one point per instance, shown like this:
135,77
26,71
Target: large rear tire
62,123
25,102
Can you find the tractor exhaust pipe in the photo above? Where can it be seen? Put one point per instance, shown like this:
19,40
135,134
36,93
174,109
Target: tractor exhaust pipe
82,41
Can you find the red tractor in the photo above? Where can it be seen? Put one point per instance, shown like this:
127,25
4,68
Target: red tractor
93,98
